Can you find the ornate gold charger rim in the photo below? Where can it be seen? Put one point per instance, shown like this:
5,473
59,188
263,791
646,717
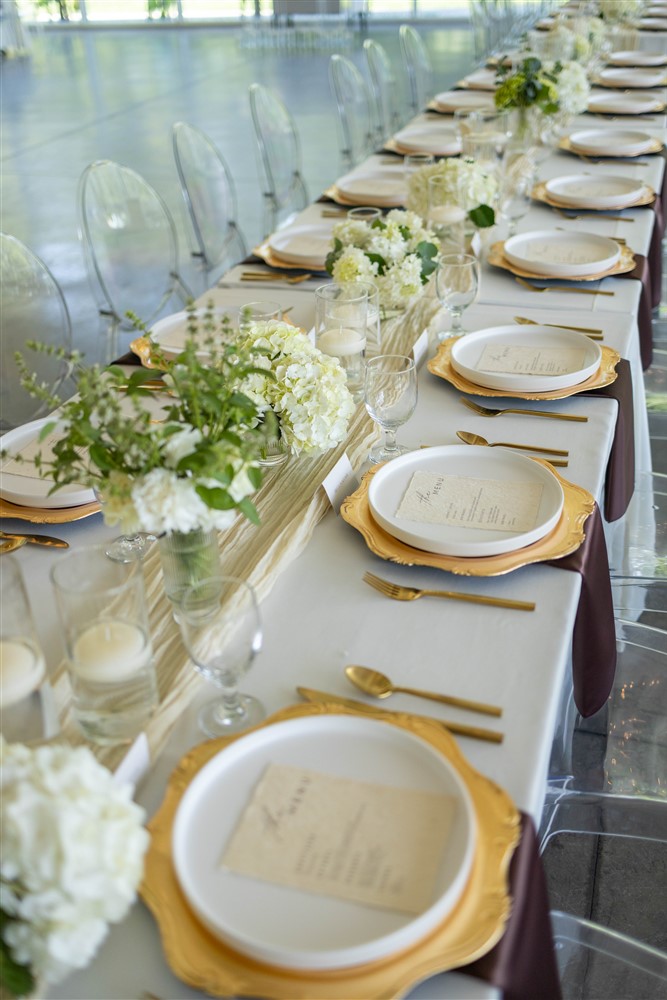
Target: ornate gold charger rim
564,143
48,515
265,252
470,930
624,264
565,538
336,195
391,146
540,193
441,365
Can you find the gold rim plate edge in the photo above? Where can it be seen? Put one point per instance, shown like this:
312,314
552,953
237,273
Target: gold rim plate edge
441,366
474,926
623,265
540,193
48,515
265,252
565,538
655,147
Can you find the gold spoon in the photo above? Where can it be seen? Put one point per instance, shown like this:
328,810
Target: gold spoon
9,544
291,279
469,438
378,685
589,330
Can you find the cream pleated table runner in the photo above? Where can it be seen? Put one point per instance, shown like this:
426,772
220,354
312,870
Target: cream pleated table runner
290,504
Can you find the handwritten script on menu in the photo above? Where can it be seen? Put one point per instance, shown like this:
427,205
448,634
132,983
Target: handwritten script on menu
354,840
519,360
25,464
465,502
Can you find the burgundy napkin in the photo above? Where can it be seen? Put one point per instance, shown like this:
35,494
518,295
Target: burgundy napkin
594,636
523,964
642,272
619,481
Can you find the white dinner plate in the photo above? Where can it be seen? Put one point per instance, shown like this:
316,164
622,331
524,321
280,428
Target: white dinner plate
652,24
429,138
562,255
470,461
634,58
466,357
285,926
385,188
27,491
465,100
596,192
637,77
623,104
611,142
307,245
482,79
171,333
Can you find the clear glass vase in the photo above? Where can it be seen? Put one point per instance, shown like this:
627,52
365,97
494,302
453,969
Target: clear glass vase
187,558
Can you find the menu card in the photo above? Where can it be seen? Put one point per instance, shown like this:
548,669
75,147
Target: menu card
25,465
466,502
523,360
354,840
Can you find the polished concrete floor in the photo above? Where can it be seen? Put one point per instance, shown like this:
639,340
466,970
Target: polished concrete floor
114,94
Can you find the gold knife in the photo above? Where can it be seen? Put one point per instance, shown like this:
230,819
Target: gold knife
459,728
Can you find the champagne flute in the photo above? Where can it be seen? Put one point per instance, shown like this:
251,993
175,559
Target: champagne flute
221,628
390,395
456,284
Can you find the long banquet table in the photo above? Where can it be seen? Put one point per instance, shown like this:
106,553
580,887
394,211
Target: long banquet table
318,614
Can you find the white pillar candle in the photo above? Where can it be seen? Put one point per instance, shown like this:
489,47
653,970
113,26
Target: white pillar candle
21,670
109,651
341,342
447,214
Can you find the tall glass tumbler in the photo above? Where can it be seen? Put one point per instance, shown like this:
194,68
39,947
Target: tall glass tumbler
341,321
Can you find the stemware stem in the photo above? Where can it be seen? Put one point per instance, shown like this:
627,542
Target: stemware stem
457,326
390,445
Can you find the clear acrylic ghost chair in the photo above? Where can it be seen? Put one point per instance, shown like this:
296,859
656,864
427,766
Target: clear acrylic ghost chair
130,246
210,197
280,154
480,30
638,542
418,67
353,103
383,88
32,307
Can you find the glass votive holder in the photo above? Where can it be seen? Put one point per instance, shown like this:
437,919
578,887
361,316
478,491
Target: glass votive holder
364,213
259,312
373,319
26,708
341,317
445,216
107,643
415,161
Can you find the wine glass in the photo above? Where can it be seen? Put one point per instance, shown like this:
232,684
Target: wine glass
127,548
390,395
456,284
222,631
516,186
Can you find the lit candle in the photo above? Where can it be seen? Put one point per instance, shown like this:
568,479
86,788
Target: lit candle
445,214
341,342
109,651
21,670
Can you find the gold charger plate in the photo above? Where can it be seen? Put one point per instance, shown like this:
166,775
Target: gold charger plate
337,195
624,264
395,147
540,193
50,515
268,256
624,86
469,931
566,537
655,147
441,365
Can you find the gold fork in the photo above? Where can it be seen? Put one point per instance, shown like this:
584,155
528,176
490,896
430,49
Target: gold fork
399,593
291,279
590,331
593,216
566,288
488,411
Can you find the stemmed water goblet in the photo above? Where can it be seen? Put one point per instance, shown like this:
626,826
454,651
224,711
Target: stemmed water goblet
456,284
390,395
517,181
222,631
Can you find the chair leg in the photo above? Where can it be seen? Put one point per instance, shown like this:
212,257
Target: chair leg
570,930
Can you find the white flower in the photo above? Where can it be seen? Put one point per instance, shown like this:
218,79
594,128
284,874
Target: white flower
166,503
573,88
467,183
71,855
401,282
354,265
181,444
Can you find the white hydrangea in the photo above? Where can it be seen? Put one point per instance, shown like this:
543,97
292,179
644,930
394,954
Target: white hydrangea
467,183
353,265
620,10
180,444
308,391
71,855
401,282
573,88
165,502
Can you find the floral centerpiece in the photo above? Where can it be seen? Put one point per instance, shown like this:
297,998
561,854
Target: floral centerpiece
551,88
618,11
473,188
397,253
305,389
71,858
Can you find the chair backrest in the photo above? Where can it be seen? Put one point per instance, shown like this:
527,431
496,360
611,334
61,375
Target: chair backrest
418,66
210,197
279,152
354,110
32,307
383,87
129,242
481,29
